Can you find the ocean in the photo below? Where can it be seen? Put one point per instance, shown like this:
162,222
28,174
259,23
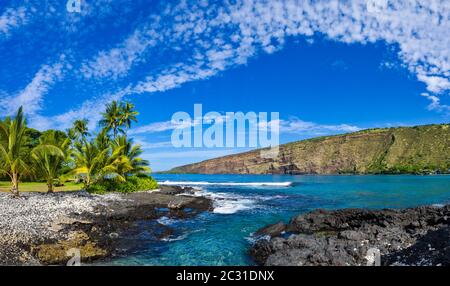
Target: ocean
245,203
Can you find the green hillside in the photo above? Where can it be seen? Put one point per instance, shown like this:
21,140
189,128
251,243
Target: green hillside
413,150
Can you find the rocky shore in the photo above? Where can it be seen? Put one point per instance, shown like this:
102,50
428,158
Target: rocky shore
415,236
42,229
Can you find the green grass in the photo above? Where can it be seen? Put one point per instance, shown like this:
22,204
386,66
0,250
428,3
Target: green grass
40,187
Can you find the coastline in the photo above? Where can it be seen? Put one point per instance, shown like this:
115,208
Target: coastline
417,236
43,229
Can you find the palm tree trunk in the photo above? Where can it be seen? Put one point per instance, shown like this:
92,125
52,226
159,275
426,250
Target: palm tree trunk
87,183
15,184
50,186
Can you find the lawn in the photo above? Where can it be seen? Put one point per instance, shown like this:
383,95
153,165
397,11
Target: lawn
40,187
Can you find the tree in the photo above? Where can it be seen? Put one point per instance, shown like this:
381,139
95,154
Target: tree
50,155
112,118
131,152
13,155
118,116
80,129
96,161
129,114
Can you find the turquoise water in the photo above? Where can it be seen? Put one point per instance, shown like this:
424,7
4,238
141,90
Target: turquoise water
224,236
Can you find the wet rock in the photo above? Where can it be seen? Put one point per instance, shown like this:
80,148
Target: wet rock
176,190
430,249
272,230
415,236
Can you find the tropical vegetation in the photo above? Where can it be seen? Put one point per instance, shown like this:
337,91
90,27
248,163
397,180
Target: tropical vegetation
103,161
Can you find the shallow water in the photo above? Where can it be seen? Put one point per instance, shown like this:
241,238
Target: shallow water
245,203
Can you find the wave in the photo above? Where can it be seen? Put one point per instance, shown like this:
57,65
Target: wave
232,206
176,238
166,220
230,203
249,184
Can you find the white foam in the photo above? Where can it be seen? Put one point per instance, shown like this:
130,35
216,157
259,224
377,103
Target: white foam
171,239
166,221
232,206
248,184
438,205
228,203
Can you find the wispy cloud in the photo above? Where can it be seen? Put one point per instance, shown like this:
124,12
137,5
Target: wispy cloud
90,109
292,125
193,154
297,126
153,128
11,19
31,97
203,39
435,103
119,60
146,145
228,35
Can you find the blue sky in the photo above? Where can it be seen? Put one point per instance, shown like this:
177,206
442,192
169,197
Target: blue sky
327,67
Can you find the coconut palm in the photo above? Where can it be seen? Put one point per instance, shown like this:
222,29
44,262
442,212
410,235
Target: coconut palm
50,155
112,118
13,155
96,163
129,114
102,139
131,152
78,133
80,129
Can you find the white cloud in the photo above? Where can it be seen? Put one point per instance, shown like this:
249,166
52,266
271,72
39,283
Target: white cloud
12,18
293,125
435,84
301,127
119,60
153,128
436,103
193,154
211,38
229,35
162,126
31,97
145,145
91,109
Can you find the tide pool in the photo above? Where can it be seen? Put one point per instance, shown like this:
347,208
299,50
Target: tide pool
245,203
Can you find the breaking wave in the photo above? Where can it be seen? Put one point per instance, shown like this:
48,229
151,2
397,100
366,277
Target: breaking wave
249,184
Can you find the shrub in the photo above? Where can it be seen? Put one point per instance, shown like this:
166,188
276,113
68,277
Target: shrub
132,184
97,189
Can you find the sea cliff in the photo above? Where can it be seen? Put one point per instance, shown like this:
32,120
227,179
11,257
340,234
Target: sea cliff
411,150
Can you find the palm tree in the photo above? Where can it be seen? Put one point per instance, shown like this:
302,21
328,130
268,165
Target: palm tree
49,156
13,150
96,162
112,118
102,139
131,152
129,114
80,129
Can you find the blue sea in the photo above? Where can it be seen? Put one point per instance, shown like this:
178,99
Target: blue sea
245,203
